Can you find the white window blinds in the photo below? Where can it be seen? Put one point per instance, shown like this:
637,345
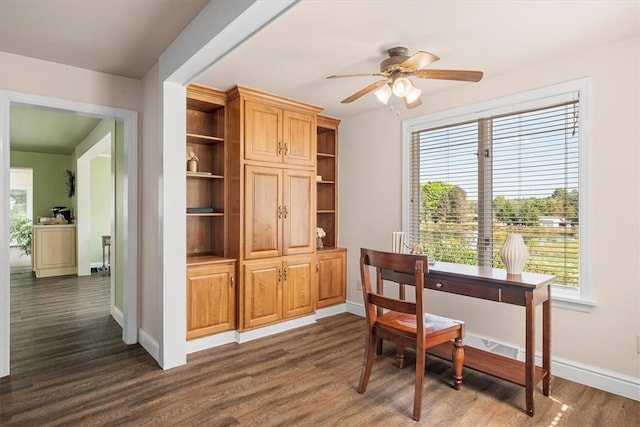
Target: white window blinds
472,183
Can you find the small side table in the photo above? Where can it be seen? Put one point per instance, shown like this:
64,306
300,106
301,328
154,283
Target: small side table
106,261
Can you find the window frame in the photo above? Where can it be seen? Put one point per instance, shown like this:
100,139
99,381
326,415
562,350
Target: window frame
580,299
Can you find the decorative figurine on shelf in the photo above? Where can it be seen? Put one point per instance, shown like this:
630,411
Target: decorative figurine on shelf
192,163
320,233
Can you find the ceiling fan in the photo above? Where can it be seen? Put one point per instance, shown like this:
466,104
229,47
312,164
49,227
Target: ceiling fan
397,68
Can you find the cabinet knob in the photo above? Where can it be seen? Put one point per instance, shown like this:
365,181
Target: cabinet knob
280,212
286,149
317,268
280,147
233,281
286,211
284,275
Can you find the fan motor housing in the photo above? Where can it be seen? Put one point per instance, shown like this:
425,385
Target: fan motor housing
397,55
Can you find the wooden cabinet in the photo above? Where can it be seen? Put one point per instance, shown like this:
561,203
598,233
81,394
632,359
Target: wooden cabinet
275,134
327,171
278,212
266,215
211,278
275,289
331,259
53,250
206,185
211,297
298,296
331,281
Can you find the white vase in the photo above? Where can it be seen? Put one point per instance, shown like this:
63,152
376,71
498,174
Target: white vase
514,253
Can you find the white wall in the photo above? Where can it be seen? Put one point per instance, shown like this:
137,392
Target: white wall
606,338
149,206
34,76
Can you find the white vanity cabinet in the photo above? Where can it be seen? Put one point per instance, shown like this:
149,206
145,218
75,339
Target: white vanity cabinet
53,250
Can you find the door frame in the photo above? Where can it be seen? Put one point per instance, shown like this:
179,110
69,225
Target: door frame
130,217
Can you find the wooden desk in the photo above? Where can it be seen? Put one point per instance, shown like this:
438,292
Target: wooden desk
527,290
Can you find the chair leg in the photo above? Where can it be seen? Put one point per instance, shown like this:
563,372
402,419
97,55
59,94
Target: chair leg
367,363
417,396
400,356
458,362
379,346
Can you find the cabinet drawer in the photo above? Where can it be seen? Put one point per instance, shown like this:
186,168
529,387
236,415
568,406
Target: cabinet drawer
472,290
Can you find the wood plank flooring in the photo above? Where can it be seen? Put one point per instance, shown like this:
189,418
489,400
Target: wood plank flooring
70,367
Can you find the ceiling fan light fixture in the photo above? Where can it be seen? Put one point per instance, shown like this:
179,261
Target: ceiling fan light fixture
401,87
413,95
383,93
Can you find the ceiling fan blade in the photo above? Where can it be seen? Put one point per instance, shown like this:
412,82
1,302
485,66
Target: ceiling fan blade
465,76
355,75
420,60
364,91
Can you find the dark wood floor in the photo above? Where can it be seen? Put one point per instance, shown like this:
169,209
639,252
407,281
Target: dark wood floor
70,367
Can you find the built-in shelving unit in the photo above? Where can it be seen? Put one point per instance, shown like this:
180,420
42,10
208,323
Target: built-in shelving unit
206,185
327,179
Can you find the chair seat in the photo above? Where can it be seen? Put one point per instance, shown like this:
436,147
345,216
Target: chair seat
434,324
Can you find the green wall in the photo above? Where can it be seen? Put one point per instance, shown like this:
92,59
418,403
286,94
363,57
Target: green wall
49,179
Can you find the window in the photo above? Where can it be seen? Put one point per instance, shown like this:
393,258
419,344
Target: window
512,166
20,197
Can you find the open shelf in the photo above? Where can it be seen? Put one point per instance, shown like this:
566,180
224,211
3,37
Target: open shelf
326,185
498,366
206,185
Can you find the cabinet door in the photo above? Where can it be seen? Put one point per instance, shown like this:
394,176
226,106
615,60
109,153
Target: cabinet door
299,206
261,294
262,132
264,211
210,300
54,248
298,134
298,284
331,277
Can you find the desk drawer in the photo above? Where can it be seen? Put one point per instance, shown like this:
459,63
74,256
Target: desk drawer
472,290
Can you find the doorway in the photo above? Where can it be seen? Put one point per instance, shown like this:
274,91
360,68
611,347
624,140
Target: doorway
127,201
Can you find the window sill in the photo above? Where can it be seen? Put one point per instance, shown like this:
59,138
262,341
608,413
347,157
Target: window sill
575,303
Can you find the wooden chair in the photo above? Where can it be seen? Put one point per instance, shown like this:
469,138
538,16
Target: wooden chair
399,323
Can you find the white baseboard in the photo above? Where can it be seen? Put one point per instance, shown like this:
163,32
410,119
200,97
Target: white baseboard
331,311
150,344
242,337
216,340
601,379
117,315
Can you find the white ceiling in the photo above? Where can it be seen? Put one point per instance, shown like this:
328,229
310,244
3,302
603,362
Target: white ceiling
122,37
314,39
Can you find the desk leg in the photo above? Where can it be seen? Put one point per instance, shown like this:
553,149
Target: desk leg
530,347
546,343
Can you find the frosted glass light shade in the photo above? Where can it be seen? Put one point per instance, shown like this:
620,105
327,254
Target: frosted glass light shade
413,94
401,87
383,93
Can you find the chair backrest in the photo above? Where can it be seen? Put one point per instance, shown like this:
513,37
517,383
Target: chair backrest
394,267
